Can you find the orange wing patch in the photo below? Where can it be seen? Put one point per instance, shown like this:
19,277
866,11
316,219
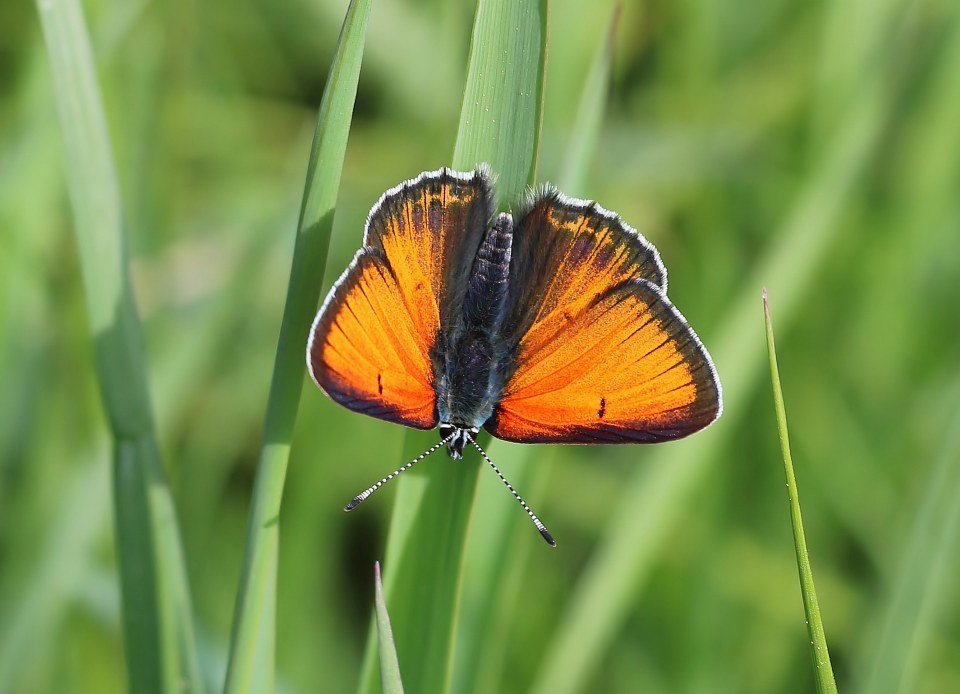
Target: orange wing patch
365,351
624,367
566,253
429,231
370,345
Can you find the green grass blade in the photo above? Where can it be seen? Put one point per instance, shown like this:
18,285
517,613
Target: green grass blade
655,496
390,682
499,125
503,96
153,657
251,663
811,607
158,617
500,538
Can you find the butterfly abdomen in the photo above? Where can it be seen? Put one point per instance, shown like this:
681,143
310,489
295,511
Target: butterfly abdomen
487,288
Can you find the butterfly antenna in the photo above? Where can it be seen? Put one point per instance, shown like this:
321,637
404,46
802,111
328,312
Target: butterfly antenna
362,496
533,516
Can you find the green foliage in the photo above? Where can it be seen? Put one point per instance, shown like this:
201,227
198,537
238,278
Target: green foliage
808,147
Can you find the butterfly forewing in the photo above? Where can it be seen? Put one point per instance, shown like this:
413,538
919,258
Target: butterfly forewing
565,251
370,346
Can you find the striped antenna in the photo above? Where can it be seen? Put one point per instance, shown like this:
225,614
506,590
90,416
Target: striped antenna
533,516
362,496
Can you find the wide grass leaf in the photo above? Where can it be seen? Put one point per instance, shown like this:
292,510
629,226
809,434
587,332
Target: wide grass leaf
503,96
499,126
500,538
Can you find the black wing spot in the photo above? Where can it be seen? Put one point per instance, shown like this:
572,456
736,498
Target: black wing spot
379,384
603,408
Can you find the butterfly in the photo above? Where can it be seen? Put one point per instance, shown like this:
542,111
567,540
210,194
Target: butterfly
547,325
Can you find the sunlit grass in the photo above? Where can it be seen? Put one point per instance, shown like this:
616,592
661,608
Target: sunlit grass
811,148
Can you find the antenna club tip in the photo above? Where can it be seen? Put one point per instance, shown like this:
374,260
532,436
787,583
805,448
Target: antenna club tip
353,503
548,537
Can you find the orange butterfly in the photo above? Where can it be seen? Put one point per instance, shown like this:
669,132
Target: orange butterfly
551,325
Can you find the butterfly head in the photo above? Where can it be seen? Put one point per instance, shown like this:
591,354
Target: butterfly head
458,438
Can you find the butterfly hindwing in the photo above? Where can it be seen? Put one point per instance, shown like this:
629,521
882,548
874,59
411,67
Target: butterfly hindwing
371,344
596,353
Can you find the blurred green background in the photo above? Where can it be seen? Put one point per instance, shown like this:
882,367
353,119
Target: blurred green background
813,148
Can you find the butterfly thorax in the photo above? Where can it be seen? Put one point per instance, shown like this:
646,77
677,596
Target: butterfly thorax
467,367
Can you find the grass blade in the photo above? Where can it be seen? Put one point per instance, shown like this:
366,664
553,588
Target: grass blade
252,645
811,607
499,125
495,556
390,682
503,95
158,617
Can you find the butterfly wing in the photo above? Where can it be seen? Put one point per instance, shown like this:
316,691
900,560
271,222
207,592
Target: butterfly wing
370,345
597,352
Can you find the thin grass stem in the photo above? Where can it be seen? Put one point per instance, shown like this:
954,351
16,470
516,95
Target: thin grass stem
811,606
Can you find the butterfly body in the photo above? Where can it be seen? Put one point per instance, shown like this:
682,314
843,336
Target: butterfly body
469,355
550,324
